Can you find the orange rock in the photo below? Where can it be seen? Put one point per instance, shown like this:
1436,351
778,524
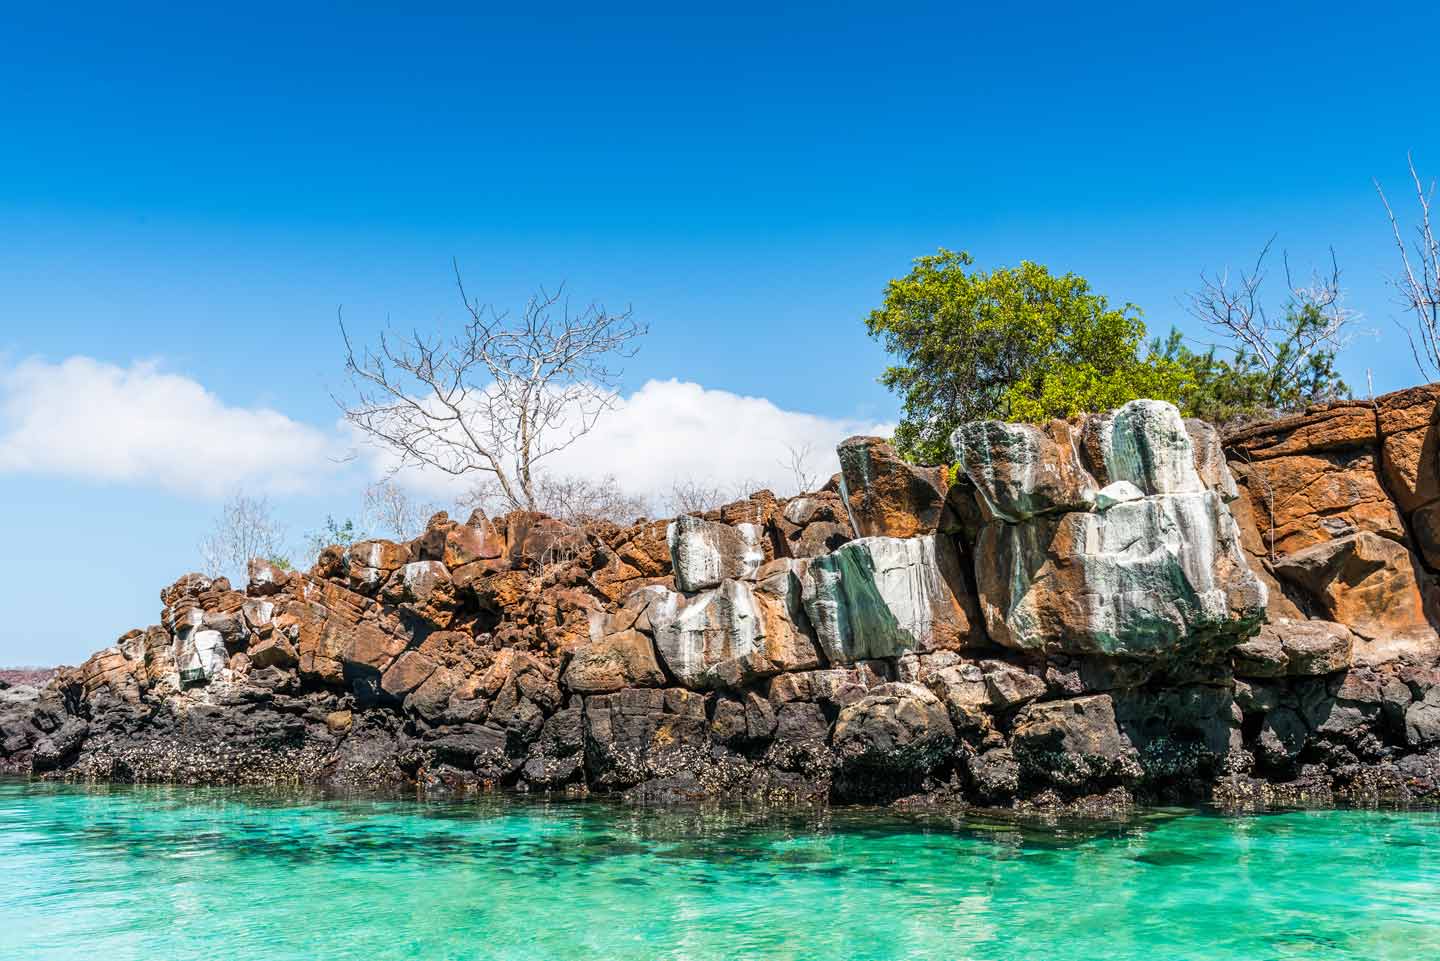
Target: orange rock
887,497
409,671
541,540
1305,499
1325,428
275,652
1368,583
1407,409
645,548
475,541
1278,603
368,646
1411,460
621,660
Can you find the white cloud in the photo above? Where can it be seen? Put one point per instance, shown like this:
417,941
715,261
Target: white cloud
94,420
140,425
678,430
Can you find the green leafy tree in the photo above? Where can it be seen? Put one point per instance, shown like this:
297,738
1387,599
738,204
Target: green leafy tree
1015,344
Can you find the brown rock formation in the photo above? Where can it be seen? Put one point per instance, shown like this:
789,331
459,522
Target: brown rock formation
1073,610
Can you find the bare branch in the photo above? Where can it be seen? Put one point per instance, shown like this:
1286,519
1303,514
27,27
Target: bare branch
1418,282
498,396
245,529
797,462
1313,325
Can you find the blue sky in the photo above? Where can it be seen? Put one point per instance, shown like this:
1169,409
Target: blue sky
195,192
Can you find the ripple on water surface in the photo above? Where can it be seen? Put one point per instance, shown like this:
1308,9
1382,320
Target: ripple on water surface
120,873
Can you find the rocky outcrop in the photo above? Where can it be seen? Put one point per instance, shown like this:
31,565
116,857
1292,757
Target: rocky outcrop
881,597
1120,607
1104,539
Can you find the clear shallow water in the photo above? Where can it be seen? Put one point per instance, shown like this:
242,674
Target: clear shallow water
171,874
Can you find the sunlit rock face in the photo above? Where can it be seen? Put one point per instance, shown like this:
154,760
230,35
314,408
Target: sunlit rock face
728,636
705,553
884,496
881,597
1147,564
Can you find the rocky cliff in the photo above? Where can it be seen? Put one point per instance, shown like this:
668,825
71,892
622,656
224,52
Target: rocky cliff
1119,607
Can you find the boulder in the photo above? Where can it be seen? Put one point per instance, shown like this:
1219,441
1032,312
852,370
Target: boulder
885,496
199,654
276,651
899,729
994,774
265,577
882,597
472,542
370,563
425,590
1157,577
1422,720
1021,470
705,553
1367,583
1282,737
966,694
634,735
1148,565
727,637
1010,687
1147,443
619,660
536,541
557,757
409,671
1073,743
1295,648
369,648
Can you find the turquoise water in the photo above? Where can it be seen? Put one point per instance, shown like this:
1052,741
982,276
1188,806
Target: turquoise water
171,874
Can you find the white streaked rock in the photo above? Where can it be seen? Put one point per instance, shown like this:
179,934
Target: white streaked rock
704,553
886,596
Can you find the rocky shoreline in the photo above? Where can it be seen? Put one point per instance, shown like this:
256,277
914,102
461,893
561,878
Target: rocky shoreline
1119,609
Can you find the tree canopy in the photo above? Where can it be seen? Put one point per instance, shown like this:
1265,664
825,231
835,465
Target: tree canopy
1013,344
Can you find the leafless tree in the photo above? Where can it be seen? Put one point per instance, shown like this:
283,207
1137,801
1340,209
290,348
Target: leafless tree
571,498
1315,320
246,528
391,511
1419,278
496,398
691,496
797,462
